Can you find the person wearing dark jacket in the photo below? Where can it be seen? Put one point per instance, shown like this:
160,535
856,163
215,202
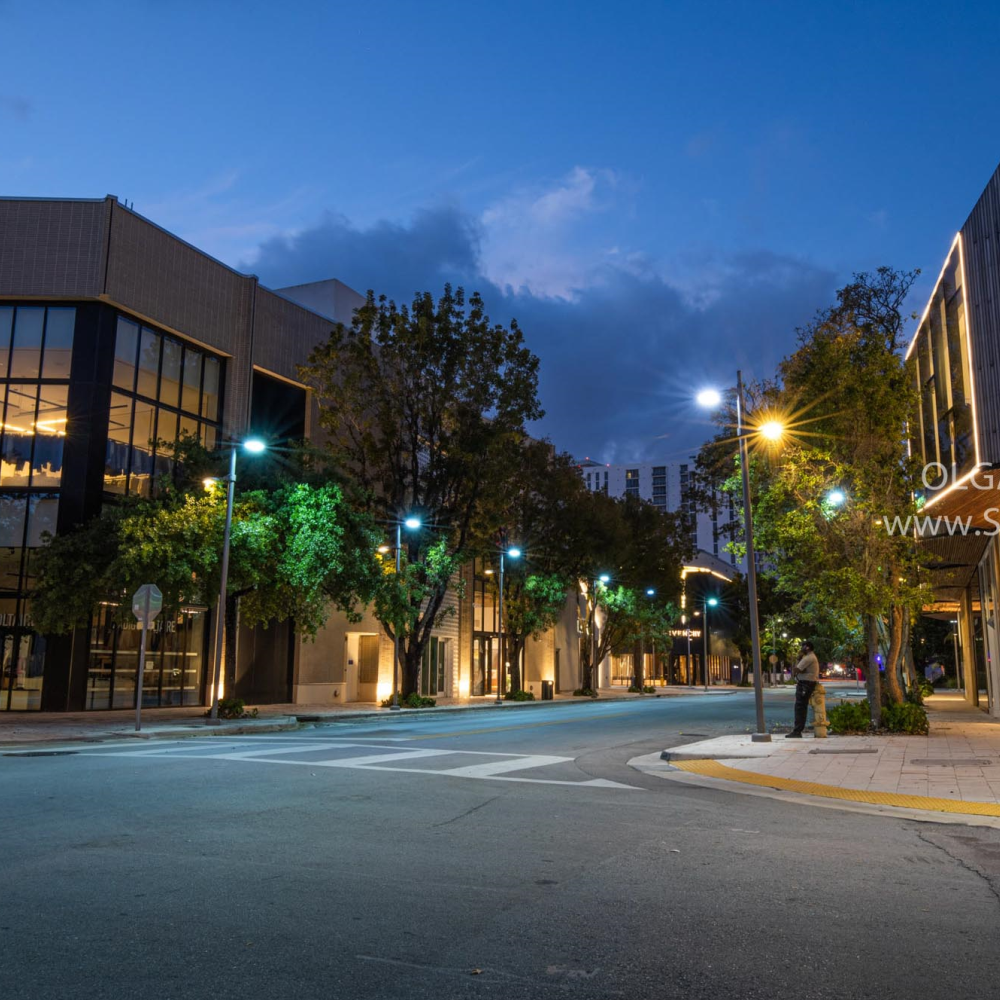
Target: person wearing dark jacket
806,674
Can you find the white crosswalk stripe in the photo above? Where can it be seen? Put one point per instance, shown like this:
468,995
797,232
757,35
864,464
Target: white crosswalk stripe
389,758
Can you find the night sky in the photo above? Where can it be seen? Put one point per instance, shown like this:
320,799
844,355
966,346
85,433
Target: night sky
659,192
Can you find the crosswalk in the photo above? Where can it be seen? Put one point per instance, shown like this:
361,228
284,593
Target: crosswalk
365,756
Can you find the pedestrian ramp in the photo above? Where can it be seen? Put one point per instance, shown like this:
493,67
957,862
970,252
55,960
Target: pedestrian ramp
335,754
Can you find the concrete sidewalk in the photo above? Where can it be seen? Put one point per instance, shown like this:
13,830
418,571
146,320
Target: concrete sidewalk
20,728
954,769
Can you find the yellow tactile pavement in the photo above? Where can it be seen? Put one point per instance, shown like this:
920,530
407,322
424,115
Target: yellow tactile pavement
713,769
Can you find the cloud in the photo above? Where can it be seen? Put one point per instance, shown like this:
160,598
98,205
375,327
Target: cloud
623,345
17,107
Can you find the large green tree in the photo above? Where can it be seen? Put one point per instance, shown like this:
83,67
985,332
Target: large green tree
420,406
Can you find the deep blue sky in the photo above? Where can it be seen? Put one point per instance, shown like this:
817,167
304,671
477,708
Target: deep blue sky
658,191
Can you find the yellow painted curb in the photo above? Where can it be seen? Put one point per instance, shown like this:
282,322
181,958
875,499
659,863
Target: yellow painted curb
713,769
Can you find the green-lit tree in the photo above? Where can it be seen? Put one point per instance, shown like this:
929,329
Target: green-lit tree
421,406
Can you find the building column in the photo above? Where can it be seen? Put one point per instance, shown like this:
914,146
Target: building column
967,649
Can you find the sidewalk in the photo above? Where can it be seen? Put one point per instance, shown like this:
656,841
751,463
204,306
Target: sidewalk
955,769
19,728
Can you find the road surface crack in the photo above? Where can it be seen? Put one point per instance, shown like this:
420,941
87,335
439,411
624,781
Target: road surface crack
468,812
962,863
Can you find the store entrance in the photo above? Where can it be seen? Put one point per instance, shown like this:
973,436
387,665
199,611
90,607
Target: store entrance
23,659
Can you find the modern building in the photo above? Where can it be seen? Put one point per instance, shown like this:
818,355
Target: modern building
667,486
116,335
956,367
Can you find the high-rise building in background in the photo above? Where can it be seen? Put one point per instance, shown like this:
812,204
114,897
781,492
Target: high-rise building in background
668,486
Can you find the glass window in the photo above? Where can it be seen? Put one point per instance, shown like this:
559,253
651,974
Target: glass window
126,346
116,453
58,343
208,437
6,322
210,390
18,435
26,353
192,380
143,435
166,435
12,511
170,372
42,512
149,363
50,431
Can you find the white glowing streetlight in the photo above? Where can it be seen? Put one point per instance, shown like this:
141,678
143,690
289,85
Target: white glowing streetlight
411,523
254,446
709,398
513,553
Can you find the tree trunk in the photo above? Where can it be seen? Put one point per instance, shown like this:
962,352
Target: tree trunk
232,632
893,685
872,680
515,648
638,666
410,669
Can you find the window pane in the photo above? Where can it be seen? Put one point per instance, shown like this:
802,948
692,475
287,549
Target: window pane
208,437
126,346
170,373
42,512
58,343
210,390
27,350
192,380
18,435
166,435
12,509
143,434
6,322
149,363
116,453
50,432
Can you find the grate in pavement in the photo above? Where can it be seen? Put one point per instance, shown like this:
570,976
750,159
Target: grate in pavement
846,750
952,761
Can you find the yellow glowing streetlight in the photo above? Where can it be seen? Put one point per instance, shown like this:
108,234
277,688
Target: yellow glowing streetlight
772,430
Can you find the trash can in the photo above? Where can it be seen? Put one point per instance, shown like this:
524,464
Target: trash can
547,689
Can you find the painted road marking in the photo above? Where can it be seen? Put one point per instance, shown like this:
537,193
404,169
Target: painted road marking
282,753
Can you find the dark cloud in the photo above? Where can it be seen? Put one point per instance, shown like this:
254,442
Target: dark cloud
621,358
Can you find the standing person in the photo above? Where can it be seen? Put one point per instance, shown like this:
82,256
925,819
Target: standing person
806,674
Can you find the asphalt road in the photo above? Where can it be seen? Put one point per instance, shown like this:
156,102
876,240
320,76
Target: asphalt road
508,853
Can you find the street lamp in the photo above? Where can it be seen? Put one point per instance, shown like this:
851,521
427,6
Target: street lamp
513,553
710,602
835,498
411,523
254,446
772,431
604,579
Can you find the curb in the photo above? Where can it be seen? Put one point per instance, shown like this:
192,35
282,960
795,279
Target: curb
714,769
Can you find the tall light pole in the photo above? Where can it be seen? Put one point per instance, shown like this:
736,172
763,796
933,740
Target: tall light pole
710,602
411,523
255,446
772,431
595,679
514,553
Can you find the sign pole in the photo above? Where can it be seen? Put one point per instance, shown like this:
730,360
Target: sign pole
142,664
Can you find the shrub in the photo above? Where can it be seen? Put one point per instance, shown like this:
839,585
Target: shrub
634,690
234,708
584,693
905,718
412,700
519,696
849,717
649,689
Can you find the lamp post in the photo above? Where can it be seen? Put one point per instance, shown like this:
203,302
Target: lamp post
595,679
514,553
710,602
254,446
411,523
772,431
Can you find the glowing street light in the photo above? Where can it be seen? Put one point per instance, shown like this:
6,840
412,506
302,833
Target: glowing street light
650,591
513,553
411,523
604,578
710,602
771,430
709,398
254,446
835,498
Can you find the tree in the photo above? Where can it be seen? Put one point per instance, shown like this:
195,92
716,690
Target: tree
639,548
294,550
823,503
420,406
